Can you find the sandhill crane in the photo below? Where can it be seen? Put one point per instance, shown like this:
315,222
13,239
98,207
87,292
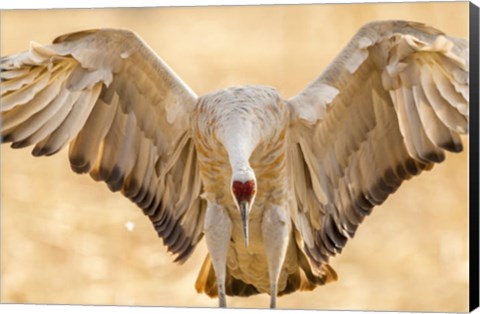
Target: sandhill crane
277,186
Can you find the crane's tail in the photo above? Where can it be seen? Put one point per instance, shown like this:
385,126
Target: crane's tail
313,275
207,282
304,279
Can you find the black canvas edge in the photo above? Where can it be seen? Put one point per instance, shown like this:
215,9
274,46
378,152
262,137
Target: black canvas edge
474,158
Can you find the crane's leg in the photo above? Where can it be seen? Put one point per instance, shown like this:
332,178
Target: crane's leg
275,229
218,230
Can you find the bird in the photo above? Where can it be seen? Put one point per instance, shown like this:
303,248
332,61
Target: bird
275,186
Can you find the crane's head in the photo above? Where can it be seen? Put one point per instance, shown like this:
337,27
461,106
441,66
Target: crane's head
244,189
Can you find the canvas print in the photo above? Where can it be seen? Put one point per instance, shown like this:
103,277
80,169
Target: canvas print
282,156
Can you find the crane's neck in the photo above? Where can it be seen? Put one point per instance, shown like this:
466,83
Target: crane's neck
240,140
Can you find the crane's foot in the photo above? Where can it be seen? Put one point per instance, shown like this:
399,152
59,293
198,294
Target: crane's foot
273,302
222,300
273,295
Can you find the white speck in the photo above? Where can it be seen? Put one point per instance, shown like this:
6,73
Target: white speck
130,226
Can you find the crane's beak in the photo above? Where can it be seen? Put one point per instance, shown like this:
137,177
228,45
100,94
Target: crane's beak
244,214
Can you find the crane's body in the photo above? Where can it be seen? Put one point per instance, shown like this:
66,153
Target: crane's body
241,129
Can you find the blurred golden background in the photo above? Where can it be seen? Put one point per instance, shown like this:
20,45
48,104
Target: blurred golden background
65,239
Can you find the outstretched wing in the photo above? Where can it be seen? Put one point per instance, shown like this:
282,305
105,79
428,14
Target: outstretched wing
388,107
125,116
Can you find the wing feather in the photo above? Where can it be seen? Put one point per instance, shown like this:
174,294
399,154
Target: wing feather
70,126
32,112
385,110
84,148
40,137
447,114
125,115
14,73
21,79
447,91
25,93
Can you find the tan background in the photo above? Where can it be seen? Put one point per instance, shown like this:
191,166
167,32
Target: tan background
64,239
